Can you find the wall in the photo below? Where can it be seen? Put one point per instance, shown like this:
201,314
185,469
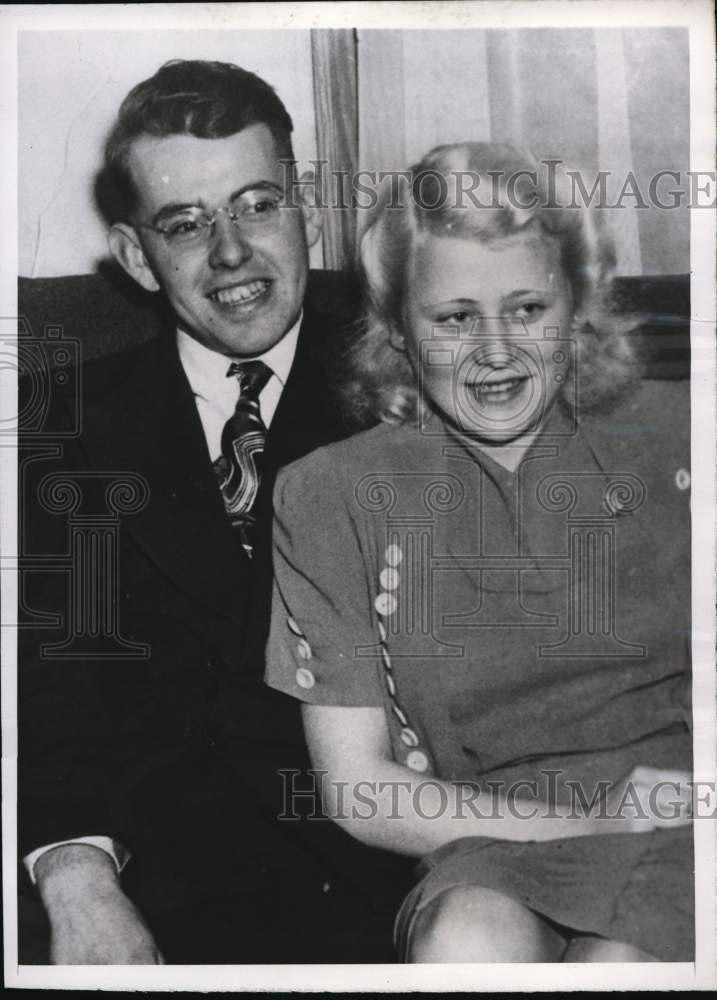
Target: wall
609,99
69,89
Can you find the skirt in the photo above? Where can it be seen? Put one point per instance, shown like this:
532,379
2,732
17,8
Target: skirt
636,888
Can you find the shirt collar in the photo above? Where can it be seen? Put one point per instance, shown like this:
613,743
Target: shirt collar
206,370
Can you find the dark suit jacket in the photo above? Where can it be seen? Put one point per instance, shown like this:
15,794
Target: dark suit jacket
178,754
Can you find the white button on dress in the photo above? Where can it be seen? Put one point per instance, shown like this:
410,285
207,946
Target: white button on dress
409,737
682,479
386,604
305,678
389,578
293,627
303,649
417,760
393,555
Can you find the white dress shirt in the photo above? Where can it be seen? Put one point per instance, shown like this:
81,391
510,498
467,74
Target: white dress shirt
216,397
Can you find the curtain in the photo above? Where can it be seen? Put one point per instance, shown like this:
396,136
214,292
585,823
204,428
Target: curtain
333,57
615,100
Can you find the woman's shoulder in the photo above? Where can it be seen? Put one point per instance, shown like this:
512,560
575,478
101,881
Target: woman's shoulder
660,406
659,400
648,427
384,446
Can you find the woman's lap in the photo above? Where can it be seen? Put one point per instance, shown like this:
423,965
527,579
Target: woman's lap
636,888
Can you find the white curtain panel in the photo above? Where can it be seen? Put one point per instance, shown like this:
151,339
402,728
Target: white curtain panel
606,99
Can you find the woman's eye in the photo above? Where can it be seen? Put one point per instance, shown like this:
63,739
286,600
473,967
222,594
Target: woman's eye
530,310
460,316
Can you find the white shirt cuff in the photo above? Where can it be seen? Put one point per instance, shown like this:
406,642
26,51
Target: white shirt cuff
119,854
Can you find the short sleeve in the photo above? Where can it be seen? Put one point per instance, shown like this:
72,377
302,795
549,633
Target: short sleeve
323,645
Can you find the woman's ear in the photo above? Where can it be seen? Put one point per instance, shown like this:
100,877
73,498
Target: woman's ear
396,340
127,251
313,216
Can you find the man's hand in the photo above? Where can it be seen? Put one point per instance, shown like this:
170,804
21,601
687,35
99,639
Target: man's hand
92,921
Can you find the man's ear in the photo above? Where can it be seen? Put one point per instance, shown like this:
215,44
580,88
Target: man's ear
313,217
127,251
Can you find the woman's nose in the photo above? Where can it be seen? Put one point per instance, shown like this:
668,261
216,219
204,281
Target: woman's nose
498,330
229,246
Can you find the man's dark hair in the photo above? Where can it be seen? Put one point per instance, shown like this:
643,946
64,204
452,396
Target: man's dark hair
209,100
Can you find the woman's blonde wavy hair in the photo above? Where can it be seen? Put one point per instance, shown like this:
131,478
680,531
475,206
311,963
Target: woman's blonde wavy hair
431,199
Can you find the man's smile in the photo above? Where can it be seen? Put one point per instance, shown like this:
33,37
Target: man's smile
241,293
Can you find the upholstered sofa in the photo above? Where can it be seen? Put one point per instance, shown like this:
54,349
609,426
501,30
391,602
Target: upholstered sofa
104,313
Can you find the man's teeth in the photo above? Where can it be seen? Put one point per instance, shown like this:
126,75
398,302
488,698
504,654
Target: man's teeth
240,293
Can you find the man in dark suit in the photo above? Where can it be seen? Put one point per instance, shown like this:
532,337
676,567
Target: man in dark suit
162,745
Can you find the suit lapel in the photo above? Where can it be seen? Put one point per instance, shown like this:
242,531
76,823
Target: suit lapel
307,414
141,417
148,424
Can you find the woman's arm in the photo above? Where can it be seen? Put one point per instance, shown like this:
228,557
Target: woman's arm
387,805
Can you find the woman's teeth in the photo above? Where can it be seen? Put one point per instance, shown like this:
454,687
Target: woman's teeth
502,386
498,391
240,293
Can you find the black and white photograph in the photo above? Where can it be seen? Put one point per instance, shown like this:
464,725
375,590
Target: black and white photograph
358,496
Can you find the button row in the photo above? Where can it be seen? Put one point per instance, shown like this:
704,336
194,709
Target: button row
304,677
386,604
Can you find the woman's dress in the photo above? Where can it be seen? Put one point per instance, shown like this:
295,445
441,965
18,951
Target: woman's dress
526,632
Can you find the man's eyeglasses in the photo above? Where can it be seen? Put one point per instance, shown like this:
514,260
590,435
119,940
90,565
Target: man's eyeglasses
258,212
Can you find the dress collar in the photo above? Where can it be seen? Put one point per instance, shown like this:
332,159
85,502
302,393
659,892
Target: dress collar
558,426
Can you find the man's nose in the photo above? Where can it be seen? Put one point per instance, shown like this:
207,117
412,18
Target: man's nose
229,246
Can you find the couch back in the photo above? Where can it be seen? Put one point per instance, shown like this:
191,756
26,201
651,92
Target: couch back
105,313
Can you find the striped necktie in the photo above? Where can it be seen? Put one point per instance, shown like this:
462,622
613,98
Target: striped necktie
239,466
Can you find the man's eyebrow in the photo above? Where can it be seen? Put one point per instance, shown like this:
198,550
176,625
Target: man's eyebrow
167,211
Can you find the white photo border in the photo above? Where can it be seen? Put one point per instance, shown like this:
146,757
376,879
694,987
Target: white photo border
697,16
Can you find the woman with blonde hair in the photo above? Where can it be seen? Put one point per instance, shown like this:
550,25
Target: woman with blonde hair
483,602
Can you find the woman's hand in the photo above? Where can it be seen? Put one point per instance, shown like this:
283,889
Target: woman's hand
646,799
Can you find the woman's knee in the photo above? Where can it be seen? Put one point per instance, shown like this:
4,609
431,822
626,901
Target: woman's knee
473,924
589,948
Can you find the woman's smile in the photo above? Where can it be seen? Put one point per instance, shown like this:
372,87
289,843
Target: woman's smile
498,387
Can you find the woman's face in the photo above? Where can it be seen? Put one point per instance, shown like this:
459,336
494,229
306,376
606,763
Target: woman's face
486,329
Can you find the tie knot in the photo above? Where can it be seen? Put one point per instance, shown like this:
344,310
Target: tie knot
251,375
